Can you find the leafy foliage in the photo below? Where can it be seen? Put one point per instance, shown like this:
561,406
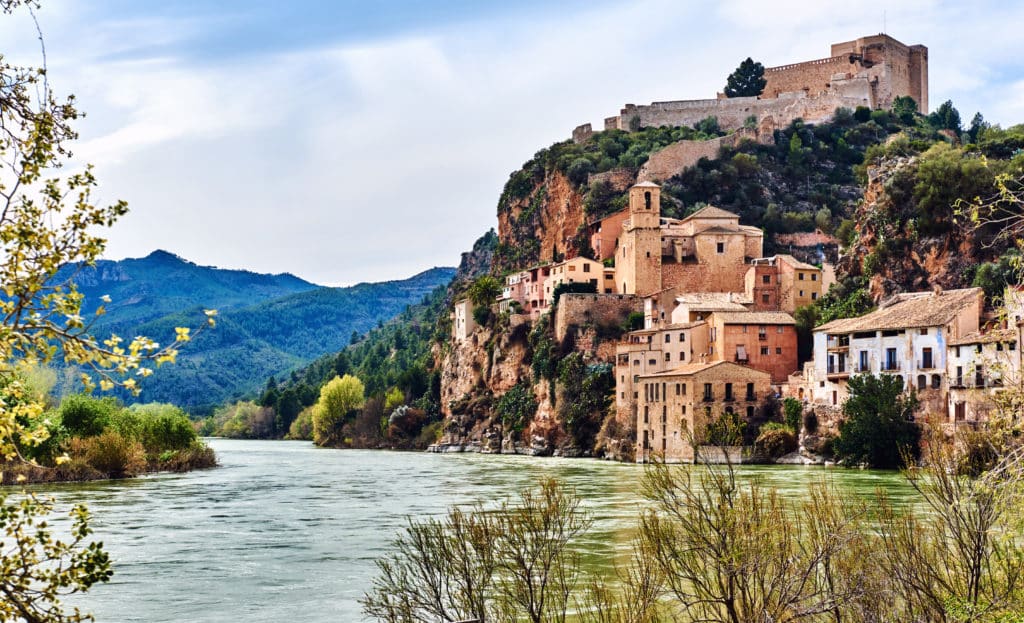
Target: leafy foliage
338,398
516,407
587,393
37,568
878,426
747,81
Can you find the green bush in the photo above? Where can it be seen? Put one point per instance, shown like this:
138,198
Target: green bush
792,410
86,416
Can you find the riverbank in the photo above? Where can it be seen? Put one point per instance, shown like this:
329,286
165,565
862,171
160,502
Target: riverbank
80,469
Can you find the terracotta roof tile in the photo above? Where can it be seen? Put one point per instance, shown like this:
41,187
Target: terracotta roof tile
753,317
909,311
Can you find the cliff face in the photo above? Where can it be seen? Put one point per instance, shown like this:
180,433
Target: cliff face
904,246
540,226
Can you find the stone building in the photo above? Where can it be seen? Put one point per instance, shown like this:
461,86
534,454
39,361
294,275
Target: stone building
764,341
463,324
579,270
675,406
980,366
638,254
708,251
869,71
906,336
783,283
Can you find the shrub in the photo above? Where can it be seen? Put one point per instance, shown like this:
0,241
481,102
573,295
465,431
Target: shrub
302,427
862,114
160,427
482,315
110,453
792,409
775,441
85,416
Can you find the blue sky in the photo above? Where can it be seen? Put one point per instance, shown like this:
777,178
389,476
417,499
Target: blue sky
348,142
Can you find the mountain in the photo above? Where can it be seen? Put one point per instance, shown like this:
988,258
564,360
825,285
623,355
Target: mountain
266,324
142,289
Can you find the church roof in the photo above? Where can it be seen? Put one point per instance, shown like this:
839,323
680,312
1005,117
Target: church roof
646,185
712,212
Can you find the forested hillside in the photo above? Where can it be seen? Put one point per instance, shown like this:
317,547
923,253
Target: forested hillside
266,324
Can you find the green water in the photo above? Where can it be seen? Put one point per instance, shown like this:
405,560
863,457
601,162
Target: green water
285,531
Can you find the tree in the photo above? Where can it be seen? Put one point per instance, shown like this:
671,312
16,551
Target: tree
338,397
45,224
516,407
977,127
513,563
945,117
37,569
878,428
484,290
747,81
904,108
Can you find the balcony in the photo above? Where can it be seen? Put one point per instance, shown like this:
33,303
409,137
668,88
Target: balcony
730,398
708,398
926,364
890,366
751,398
838,371
862,369
838,343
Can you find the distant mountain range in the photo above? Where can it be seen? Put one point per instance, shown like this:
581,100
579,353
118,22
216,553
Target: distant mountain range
266,324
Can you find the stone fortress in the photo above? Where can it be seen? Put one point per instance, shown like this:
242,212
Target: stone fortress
870,71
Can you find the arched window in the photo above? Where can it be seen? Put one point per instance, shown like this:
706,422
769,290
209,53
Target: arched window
922,383
936,381
647,200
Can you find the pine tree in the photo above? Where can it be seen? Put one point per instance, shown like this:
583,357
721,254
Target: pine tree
747,81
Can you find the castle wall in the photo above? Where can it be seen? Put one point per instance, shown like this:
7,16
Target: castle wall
678,157
692,277
576,309
811,77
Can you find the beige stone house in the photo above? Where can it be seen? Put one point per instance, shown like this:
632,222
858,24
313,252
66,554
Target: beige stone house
675,406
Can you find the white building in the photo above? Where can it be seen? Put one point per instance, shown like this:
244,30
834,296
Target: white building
907,336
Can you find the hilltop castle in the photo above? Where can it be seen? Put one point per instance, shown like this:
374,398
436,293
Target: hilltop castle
869,71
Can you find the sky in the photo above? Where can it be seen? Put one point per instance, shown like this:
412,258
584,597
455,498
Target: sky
364,141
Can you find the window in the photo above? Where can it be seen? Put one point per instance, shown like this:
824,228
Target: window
682,356
750,413
647,200
957,351
814,296
821,384
743,328
572,269
668,338
764,350
766,278
677,389
645,414
778,351
936,381
721,247
921,382
978,348
762,333
586,268
801,292
890,360
684,388
750,391
863,367
765,299
999,346
728,391
814,277
779,329
668,356
926,358
682,337
835,400
801,276
1013,346
708,392
683,409
652,362
923,331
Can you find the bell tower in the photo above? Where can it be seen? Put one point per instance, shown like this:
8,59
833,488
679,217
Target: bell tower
638,259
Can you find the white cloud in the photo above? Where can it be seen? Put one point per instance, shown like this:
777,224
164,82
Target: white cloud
348,161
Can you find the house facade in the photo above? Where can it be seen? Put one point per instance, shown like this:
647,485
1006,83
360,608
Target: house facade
675,406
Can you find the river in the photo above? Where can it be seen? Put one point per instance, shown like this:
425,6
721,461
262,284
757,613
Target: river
286,531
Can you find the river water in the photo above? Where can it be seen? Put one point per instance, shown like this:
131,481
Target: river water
286,531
